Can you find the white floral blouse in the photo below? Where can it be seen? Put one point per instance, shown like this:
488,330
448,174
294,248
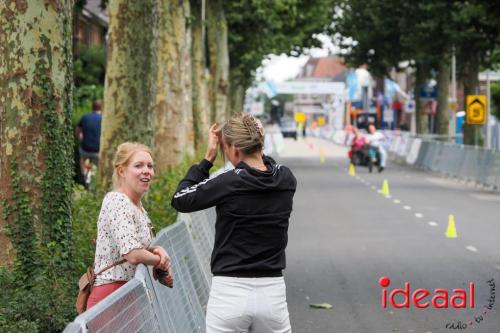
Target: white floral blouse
122,227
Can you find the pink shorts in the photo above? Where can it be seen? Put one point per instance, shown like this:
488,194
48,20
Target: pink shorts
100,292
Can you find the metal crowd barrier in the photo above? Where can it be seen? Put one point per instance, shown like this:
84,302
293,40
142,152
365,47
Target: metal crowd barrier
144,305
474,164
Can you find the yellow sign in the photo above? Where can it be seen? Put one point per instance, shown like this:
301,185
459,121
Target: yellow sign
453,106
321,121
476,110
300,117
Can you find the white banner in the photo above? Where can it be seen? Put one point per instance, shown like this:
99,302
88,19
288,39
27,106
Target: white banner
310,87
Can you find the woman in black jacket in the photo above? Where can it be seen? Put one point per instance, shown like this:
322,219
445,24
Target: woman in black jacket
253,204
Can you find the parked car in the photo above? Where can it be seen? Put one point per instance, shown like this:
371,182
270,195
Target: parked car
288,128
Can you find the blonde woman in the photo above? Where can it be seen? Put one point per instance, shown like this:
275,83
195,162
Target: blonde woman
253,204
123,228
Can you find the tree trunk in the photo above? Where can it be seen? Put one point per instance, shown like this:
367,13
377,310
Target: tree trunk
187,71
237,92
130,86
472,133
443,86
36,140
173,121
422,118
201,107
219,60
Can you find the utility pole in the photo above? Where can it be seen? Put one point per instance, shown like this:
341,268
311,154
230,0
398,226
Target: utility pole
488,109
453,123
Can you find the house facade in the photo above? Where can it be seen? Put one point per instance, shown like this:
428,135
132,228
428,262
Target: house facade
90,26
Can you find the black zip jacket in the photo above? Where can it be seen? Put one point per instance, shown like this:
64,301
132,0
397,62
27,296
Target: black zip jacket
253,208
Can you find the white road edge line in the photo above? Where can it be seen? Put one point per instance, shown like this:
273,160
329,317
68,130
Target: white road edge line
433,224
407,207
396,201
419,215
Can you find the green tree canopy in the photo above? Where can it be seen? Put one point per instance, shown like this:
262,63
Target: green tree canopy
90,65
261,27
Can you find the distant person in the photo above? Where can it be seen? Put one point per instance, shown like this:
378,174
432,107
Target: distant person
348,135
357,145
124,230
253,204
376,140
88,132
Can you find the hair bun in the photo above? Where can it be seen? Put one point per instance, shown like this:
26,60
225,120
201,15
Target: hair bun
245,132
259,126
254,126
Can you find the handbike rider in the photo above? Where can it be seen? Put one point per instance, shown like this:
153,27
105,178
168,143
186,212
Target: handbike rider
376,139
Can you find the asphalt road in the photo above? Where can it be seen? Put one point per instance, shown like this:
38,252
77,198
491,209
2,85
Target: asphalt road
344,236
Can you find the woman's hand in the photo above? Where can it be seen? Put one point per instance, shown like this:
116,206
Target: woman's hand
165,261
165,264
213,143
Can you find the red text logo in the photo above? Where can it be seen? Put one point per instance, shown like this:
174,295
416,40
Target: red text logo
422,298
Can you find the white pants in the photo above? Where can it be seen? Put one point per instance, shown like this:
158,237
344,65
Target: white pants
383,156
381,150
245,305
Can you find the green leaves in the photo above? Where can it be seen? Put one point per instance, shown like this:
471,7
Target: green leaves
90,65
423,31
261,27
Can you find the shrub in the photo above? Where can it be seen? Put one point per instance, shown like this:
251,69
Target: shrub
47,304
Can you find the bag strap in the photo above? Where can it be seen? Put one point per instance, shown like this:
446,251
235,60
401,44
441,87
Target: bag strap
119,262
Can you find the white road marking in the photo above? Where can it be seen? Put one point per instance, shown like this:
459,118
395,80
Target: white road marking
471,248
396,201
407,207
433,224
419,215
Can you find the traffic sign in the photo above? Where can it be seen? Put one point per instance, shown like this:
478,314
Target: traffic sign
410,105
476,110
321,121
300,117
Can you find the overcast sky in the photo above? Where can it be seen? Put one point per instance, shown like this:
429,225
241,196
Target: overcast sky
279,68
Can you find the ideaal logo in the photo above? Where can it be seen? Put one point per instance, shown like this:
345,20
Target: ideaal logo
439,298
